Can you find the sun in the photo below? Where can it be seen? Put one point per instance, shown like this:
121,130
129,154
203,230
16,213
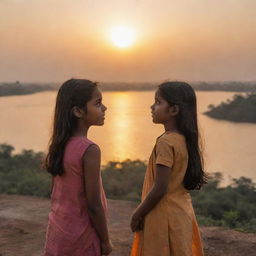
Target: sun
122,36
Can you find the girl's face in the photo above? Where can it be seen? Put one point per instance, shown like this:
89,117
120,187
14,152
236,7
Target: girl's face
95,113
160,110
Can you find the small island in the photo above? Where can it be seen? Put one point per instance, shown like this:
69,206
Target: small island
242,108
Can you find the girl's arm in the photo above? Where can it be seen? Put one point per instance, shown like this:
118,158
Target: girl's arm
154,196
91,164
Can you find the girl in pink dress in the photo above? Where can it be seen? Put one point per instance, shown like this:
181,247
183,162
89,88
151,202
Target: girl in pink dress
77,223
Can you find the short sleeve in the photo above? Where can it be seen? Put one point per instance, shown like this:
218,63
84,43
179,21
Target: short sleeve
164,152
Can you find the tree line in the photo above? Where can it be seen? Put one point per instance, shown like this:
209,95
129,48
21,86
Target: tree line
18,88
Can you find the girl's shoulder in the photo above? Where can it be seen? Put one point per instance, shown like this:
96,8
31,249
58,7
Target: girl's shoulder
80,139
171,137
174,139
78,144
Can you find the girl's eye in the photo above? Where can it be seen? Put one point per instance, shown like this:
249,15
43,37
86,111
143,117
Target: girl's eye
157,102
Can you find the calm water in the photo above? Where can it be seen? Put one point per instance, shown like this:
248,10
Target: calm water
128,131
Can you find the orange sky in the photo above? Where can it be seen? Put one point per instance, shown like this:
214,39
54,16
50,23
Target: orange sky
195,40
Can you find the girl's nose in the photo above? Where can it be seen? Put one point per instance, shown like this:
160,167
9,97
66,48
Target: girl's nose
104,108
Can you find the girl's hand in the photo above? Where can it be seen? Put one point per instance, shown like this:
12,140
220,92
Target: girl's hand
106,247
136,223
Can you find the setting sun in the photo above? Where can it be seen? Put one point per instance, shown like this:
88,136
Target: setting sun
122,36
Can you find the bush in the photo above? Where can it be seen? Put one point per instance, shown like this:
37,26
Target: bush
123,180
230,218
22,173
233,206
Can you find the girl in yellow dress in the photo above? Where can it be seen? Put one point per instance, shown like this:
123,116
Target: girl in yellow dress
164,223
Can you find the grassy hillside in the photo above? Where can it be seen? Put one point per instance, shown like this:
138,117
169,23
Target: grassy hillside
233,206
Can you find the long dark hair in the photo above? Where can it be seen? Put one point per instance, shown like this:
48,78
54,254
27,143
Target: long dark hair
183,95
74,92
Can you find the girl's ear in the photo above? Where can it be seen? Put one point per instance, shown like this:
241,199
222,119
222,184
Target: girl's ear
174,110
77,112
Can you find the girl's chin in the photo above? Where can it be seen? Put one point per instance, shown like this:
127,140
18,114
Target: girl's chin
100,123
154,121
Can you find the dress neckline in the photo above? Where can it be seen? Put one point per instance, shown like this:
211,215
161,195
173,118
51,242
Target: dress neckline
169,132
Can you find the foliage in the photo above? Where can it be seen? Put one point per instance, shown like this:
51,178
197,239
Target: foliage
17,88
233,206
123,180
22,173
8,89
239,109
234,86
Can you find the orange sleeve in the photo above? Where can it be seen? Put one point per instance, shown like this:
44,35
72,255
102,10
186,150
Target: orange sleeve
164,152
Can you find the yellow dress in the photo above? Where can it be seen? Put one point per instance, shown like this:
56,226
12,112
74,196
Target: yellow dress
170,228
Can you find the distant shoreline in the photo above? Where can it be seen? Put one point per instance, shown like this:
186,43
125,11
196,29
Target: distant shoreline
240,109
17,88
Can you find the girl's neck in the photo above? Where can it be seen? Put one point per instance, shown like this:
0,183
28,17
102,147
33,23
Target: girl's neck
171,127
81,130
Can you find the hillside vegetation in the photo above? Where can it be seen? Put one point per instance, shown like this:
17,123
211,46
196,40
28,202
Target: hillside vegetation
232,206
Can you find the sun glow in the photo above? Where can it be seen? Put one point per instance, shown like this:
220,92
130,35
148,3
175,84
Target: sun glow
122,36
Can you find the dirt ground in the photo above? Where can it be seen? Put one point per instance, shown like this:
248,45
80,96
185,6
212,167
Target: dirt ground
23,223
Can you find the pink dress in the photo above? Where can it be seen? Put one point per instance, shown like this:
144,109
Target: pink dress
70,231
